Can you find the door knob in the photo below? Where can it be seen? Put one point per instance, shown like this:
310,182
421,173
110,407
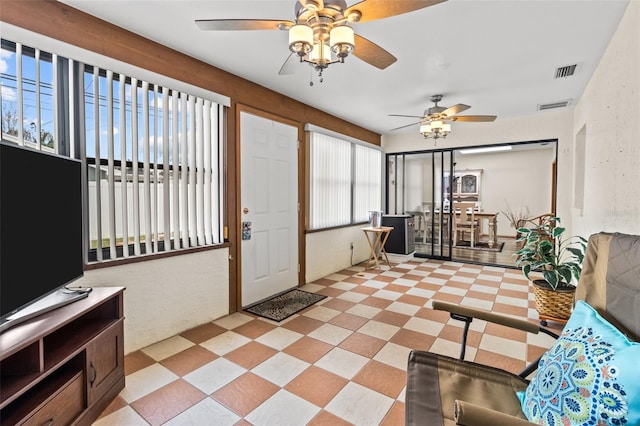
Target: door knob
245,210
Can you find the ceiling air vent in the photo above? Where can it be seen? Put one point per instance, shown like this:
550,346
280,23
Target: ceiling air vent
566,71
552,105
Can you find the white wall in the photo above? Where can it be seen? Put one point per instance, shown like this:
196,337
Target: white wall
505,174
164,297
329,251
609,111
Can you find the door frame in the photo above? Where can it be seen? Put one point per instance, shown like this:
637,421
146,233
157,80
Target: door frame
235,238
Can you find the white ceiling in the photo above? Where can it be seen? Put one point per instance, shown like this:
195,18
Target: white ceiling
499,56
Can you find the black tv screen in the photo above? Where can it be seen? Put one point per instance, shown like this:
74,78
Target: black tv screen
40,225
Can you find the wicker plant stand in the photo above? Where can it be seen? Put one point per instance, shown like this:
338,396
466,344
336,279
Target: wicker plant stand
553,305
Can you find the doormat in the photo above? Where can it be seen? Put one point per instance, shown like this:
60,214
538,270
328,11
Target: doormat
484,246
284,305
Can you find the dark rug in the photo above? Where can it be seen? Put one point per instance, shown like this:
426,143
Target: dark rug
479,246
284,305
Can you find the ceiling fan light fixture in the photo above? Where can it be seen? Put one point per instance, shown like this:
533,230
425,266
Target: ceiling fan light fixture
342,41
435,129
320,55
300,39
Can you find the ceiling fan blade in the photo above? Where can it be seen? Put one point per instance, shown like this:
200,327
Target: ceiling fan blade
378,9
473,118
402,115
371,53
456,109
289,65
241,24
406,125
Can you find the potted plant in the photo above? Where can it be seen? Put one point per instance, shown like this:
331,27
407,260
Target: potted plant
558,259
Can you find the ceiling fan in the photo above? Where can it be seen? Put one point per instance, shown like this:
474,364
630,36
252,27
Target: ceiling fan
320,29
432,123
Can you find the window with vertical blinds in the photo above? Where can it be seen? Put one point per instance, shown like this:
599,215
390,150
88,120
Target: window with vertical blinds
345,181
152,154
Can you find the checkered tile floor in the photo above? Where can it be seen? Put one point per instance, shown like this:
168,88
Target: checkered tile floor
341,361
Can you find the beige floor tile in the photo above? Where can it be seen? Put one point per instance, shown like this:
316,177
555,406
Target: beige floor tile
245,394
316,385
308,349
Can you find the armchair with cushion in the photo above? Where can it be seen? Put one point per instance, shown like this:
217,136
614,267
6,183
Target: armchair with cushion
590,375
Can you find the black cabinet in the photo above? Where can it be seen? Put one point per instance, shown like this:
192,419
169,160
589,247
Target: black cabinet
401,239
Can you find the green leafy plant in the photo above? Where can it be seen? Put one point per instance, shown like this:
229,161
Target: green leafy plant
545,250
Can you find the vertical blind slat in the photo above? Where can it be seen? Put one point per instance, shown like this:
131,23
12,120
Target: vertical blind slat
206,171
98,178
184,189
38,129
135,198
192,173
111,167
123,167
175,161
146,168
166,178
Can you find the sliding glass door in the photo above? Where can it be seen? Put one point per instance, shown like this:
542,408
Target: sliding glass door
417,185
425,184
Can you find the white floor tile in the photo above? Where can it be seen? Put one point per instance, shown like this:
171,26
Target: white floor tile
472,302
360,405
145,381
124,416
386,294
283,408
321,313
352,296
312,288
421,325
375,284
484,289
279,338
405,282
504,346
403,308
486,277
453,290
466,280
167,347
364,311
202,413
513,301
433,280
515,287
232,321
343,286
393,355
452,349
337,277
445,271
330,333
212,376
421,292
379,329
225,342
280,368
341,362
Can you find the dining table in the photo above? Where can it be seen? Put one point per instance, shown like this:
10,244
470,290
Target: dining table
490,218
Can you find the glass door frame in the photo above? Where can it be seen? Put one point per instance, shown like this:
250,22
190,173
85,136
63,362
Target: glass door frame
440,241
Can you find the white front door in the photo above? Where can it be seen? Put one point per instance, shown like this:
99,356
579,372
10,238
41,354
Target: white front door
269,203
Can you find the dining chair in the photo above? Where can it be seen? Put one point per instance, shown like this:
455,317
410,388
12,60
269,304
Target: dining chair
465,221
427,215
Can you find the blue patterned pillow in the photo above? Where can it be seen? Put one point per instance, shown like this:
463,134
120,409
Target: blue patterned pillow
590,376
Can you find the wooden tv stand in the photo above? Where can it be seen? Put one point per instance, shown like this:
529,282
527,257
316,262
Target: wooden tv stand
65,366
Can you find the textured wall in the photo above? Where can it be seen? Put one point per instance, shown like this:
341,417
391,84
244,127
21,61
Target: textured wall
164,297
609,111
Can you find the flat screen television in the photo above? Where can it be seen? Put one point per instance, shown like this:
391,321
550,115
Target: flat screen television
40,231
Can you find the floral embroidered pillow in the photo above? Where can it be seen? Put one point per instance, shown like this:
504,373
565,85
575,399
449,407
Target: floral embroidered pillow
590,376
